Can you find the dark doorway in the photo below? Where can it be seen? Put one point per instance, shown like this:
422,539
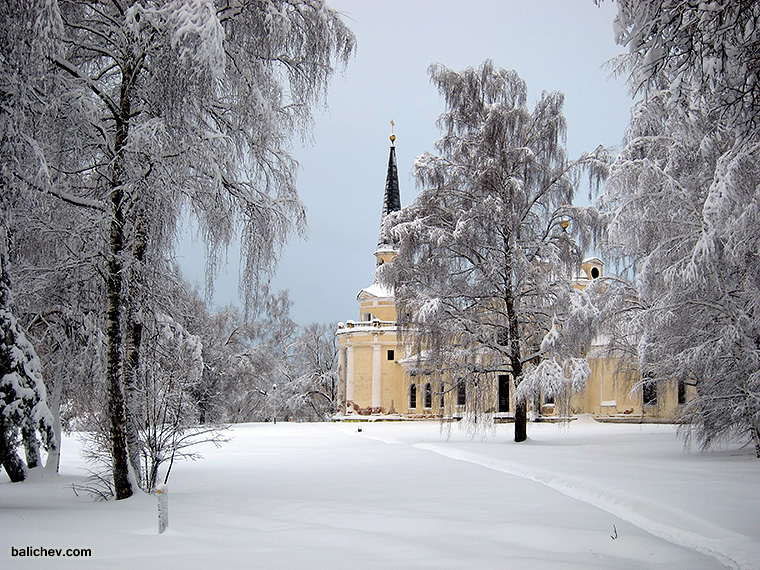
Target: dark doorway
503,393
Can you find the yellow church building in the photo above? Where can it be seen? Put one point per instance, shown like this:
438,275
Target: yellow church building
374,383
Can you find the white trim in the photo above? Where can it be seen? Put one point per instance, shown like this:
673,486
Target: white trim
377,375
349,373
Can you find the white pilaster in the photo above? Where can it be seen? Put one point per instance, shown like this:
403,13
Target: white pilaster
349,373
376,375
341,381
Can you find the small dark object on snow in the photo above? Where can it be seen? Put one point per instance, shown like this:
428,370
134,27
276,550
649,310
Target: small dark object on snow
359,430
614,536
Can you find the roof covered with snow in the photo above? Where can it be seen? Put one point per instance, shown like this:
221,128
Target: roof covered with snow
376,290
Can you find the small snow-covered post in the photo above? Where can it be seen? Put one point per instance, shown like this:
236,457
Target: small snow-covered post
162,493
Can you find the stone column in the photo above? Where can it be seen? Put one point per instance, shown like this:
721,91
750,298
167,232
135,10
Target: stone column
341,407
377,387
350,376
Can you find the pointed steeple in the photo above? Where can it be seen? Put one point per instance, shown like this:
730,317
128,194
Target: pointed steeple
392,197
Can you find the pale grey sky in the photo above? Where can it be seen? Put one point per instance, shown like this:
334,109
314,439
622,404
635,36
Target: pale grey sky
552,44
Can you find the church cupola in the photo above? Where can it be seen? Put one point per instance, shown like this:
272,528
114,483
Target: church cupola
386,249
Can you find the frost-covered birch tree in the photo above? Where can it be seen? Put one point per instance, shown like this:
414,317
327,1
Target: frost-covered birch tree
173,105
683,205
485,263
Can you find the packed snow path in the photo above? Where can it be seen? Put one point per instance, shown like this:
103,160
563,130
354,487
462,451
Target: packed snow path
732,549
331,496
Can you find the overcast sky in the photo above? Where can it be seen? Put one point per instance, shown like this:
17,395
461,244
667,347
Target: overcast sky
552,44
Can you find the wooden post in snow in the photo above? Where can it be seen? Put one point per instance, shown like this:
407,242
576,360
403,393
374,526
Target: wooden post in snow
162,492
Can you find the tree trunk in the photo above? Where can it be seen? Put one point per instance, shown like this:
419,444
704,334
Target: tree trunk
131,392
521,406
31,444
114,364
521,420
134,343
13,466
755,435
116,411
53,461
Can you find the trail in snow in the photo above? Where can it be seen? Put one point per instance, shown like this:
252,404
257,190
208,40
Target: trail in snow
731,549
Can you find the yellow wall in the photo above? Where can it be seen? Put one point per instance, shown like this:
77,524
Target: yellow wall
363,337
608,389
382,310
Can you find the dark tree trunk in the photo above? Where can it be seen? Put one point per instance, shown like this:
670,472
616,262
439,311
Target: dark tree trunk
755,436
521,420
134,340
31,445
521,406
114,364
116,406
14,467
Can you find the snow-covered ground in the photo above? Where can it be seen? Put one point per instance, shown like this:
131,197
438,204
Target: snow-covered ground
403,495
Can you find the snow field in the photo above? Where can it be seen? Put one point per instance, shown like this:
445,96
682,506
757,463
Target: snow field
404,495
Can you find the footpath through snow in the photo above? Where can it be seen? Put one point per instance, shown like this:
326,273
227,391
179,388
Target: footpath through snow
651,511
729,548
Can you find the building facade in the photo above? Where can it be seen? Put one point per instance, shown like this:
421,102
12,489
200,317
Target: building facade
376,381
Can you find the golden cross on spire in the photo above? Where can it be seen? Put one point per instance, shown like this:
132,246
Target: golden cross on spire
393,136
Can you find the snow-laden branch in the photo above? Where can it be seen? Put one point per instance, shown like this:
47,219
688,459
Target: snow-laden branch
89,203
91,84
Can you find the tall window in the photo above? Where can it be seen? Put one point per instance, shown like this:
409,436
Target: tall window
503,393
428,403
413,397
649,390
441,395
681,392
461,394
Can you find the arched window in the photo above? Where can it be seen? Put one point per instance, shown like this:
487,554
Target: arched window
428,403
413,397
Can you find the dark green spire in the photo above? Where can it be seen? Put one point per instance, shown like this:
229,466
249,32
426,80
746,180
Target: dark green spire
392,198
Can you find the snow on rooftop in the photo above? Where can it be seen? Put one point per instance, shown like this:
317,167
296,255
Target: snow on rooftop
593,260
379,291
385,248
